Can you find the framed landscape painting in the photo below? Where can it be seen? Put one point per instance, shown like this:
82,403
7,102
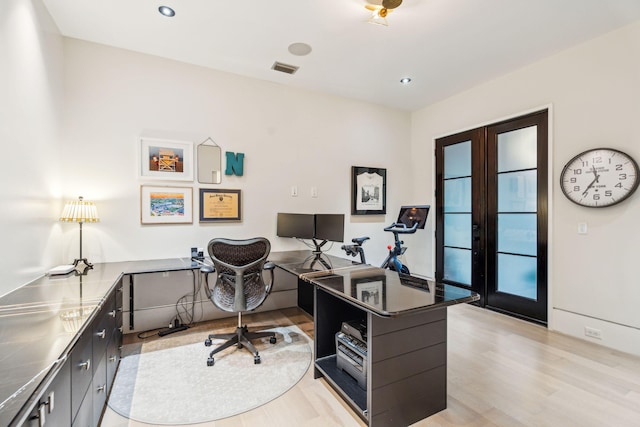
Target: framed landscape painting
166,205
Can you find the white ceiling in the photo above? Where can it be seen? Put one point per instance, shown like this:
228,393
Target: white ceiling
445,46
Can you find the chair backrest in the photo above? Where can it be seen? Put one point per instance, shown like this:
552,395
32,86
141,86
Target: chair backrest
239,264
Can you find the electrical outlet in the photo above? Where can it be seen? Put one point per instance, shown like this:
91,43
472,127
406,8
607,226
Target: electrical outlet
314,191
294,191
593,333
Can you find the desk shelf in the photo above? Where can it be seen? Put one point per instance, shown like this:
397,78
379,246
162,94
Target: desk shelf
406,360
346,385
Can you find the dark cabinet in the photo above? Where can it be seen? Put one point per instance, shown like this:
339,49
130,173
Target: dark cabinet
53,408
81,371
78,392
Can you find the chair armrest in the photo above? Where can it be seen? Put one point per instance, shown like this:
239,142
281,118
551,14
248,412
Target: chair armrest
207,269
269,266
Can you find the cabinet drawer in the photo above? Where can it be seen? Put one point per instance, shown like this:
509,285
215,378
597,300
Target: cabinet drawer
54,405
84,417
99,389
113,359
81,370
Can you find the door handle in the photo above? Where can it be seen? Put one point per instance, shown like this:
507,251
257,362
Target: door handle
475,232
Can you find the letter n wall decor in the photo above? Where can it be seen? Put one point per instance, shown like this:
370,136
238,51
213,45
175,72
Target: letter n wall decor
235,163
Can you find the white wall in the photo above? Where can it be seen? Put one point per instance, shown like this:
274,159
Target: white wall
85,143
31,95
289,137
594,90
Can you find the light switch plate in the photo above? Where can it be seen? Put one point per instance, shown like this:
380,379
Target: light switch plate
582,228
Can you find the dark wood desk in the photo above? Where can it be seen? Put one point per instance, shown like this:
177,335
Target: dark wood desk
45,347
406,328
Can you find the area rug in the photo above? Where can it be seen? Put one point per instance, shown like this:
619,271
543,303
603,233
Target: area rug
175,385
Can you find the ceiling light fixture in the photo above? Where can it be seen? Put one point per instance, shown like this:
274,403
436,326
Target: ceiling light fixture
380,9
167,11
405,80
379,17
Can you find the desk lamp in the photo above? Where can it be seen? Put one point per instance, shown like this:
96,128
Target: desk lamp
80,211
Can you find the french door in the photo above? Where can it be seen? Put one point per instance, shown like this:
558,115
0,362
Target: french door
491,216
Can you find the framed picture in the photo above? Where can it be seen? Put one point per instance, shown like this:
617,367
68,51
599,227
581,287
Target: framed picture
165,159
368,191
220,205
370,291
166,205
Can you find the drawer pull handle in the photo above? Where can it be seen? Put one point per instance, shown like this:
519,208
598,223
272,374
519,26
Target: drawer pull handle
120,329
101,388
85,365
113,358
112,313
41,414
102,334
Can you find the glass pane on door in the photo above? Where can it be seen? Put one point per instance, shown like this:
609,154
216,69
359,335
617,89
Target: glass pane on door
457,213
517,275
517,233
516,228
457,265
518,149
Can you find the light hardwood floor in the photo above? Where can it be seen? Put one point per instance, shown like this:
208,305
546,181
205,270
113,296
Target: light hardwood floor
501,372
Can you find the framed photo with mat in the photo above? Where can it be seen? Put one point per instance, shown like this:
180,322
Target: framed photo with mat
368,191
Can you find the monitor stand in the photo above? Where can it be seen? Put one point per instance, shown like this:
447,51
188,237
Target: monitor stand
318,255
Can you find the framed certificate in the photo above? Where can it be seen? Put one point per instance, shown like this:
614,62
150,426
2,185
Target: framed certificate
220,205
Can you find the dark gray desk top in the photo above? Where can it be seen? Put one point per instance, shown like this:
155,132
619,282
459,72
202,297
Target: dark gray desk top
386,293
36,334
301,262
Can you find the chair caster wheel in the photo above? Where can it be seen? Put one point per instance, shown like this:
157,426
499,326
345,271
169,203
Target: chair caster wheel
240,345
272,340
210,361
256,360
208,342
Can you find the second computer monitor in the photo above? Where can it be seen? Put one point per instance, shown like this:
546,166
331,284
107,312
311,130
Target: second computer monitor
330,227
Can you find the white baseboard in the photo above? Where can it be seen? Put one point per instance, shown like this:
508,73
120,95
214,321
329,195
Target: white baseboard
612,335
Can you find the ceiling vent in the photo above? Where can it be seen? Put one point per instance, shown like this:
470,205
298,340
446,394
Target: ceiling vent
284,68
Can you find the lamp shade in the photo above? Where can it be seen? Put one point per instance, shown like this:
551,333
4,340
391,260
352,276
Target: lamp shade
79,211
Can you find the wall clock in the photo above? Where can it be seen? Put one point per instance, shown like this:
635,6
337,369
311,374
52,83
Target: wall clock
599,177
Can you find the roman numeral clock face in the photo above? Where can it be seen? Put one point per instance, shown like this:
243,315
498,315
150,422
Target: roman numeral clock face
600,177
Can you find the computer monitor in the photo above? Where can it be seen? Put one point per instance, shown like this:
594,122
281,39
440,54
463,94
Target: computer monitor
301,226
409,215
330,227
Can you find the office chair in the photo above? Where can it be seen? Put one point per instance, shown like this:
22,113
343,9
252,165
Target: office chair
239,287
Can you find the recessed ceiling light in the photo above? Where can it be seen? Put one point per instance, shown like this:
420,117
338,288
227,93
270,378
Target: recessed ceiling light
405,80
299,49
166,11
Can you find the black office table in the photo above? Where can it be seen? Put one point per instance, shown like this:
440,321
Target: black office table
406,320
